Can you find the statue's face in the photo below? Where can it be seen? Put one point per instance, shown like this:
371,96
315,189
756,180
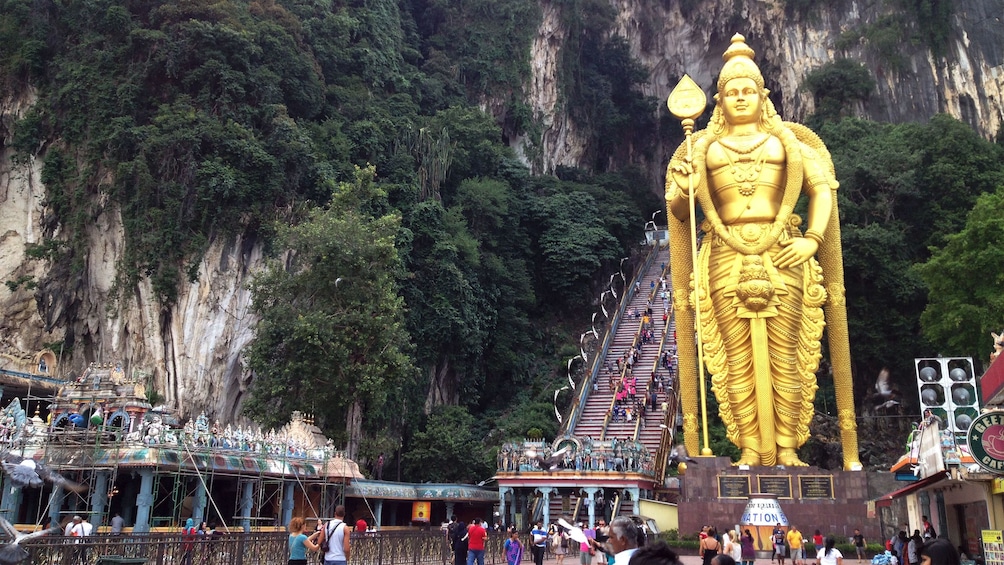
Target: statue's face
741,101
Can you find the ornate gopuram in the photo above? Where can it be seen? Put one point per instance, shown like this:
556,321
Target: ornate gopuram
140,463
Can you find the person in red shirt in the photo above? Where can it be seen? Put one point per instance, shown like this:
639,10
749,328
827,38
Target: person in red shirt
476,536
360,525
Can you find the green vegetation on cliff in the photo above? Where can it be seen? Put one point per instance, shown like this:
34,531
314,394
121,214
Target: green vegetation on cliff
352,138
353,135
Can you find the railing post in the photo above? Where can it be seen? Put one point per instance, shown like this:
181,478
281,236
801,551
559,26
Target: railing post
241,546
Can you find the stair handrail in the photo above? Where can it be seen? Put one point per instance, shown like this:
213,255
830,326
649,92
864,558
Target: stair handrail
575,412
669,418
634,342
668,433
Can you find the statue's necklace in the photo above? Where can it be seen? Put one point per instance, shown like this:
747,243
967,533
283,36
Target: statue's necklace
746,169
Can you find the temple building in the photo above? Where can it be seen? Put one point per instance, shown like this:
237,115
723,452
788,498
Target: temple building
102,432
145,465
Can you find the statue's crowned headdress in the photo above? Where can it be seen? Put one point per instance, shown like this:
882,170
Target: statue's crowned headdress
739,63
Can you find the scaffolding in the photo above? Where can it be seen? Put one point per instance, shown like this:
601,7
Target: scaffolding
189,480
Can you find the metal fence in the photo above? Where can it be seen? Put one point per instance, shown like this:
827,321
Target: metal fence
257,548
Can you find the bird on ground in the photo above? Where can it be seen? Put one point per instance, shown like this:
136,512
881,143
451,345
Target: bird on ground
12,553
679,455
551,462
26,472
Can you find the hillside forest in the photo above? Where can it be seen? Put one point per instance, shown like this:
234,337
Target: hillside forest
427,280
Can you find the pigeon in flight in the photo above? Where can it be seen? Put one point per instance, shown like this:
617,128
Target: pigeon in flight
26,472
550,463
679,455
12,552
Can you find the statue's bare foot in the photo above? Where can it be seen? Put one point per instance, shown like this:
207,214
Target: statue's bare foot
786,456
748,457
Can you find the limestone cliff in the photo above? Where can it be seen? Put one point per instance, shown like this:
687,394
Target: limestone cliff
192,349
190,352
672,38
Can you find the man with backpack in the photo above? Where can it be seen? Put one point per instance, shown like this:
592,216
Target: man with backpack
335,539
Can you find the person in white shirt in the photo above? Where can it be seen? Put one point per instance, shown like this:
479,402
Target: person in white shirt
829,554
623,539
337,536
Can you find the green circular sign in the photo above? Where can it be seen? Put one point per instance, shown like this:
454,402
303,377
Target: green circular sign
986,441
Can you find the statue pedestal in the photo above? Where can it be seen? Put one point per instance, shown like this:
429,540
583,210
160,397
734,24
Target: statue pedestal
713,492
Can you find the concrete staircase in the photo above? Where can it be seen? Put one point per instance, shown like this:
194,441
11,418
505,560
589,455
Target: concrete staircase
594,412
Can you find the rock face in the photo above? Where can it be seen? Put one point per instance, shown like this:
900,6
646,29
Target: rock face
191,351
674,37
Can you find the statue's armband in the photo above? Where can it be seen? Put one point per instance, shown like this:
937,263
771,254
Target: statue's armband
817,172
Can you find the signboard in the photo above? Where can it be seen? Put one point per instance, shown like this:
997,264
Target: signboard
998,486
815,486
930,456
733,486
986,441
993,547
778,485
761,515
420,511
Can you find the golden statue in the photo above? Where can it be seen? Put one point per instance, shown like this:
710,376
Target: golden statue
760,291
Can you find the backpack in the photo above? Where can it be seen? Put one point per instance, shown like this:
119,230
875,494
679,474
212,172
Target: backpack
188,535
326,544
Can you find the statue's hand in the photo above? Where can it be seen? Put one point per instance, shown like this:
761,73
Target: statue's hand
682,171
796,251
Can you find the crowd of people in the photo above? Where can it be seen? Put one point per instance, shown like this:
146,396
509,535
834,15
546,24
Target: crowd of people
732,547
625,541
632,401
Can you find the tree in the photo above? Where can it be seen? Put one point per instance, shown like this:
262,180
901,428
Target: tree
447,449
965,278
331,339
903,189
837,86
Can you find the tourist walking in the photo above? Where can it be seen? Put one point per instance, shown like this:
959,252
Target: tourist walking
559,544
586,550
817,542
913,548
539,542
795,541
475,538
748,549
710,546
779,547
513,549
859,544
830,555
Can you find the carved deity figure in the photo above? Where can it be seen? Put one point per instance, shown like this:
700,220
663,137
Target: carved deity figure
760,288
